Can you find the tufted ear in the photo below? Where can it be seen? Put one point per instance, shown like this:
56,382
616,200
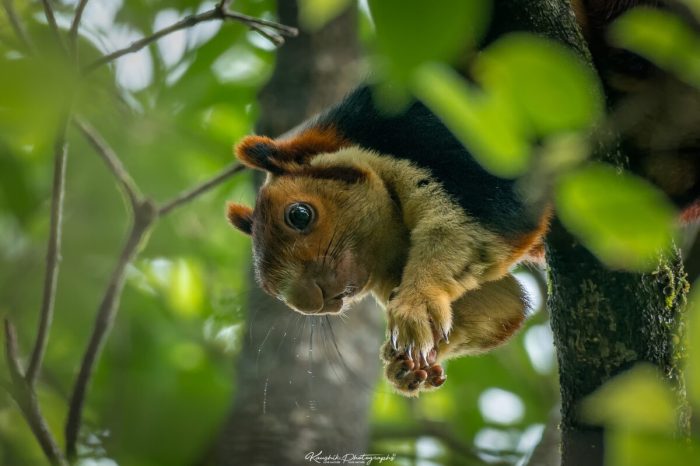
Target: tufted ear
240,217
259,152
284,155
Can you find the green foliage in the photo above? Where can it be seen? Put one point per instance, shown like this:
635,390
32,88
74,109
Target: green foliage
639,409
404,26
693,367
638,400
639,412
165,372
483,122
663,38
550,88
623,219
314,14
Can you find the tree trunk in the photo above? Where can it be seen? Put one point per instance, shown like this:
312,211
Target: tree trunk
603,321
295,393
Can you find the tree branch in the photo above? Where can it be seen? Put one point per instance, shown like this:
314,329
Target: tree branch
51,18
190,194
217,13
53,254
17,24
73,32
23,393
428,428
144,216
113,162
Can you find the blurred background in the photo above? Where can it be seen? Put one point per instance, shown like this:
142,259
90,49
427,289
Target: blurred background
193,339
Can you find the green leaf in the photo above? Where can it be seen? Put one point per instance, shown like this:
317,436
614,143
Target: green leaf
693,365
621,218
483,123
314,14
661,37
550,86
636,400
412,32
635,449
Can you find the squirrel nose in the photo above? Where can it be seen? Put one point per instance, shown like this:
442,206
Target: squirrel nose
306,296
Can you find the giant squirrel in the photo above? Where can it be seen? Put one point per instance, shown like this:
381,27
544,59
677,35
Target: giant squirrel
358,201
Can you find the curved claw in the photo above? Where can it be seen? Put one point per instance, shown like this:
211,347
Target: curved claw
423,360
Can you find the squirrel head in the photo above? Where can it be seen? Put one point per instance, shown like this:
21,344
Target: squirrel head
313,222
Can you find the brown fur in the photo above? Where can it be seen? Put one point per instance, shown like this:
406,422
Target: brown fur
385,226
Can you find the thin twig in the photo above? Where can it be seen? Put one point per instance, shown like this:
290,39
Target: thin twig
53,254
144,216
113,161
17,24
276,39
26,399
283,29
51,19
11,353
73,32
190,194
217,13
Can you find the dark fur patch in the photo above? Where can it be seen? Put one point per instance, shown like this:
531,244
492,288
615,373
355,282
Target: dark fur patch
309,143
279,156
259,152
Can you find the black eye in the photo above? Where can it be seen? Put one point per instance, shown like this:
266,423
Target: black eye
299,216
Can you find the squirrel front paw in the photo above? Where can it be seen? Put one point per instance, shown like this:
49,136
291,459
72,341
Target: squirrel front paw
409,377
417,323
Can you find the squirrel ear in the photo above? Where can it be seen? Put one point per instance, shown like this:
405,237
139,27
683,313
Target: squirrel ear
240,217
287,155
259,152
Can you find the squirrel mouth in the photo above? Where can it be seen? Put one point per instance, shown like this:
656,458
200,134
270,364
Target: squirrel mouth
348,292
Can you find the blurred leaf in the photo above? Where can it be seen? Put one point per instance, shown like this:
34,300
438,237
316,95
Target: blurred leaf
186,290
621,218
483,123
551,87
637,400
412,32
16,193
314,14
694,6
624,448
31,104
661,37
693,364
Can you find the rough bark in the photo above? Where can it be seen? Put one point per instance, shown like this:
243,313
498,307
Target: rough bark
291,400
603,321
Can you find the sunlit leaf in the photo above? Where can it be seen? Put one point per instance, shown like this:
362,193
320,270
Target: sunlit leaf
186,289
483,123
624,448
663,38
314,14
621,218
412,32
693,366
635,400
553,89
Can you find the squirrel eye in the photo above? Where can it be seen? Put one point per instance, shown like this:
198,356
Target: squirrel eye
299,216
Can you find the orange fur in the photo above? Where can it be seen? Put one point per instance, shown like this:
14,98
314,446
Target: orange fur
240,217
279,156
530,244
